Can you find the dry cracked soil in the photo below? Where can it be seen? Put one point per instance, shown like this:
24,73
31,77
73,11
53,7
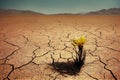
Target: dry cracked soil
38,47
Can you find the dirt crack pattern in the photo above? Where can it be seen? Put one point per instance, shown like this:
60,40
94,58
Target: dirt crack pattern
39,48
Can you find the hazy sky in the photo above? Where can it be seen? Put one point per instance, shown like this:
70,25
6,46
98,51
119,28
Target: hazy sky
59,6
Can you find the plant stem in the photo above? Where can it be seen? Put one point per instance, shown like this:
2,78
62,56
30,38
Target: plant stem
80,48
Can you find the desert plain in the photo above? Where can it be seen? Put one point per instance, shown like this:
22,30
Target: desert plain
38,47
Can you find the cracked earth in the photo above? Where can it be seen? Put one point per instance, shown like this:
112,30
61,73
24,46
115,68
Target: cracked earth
38,47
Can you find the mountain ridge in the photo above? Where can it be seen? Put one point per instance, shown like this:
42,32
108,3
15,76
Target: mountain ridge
111,11
14,11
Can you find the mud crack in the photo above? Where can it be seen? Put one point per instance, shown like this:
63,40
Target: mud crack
105,66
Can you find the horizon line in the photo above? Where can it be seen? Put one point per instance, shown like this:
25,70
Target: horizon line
62,13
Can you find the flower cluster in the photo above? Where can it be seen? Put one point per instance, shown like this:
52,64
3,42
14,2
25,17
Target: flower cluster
79,41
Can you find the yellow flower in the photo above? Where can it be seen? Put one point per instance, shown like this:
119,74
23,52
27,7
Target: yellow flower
80,41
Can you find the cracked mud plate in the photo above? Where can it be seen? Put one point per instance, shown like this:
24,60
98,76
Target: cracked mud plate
39,47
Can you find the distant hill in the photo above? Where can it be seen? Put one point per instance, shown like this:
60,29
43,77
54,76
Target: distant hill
13,11
111,11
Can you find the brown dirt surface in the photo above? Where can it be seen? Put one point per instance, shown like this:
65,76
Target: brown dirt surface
38,47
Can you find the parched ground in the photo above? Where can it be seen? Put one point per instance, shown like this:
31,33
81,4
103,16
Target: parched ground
38,47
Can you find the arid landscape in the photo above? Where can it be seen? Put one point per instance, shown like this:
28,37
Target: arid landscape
38,47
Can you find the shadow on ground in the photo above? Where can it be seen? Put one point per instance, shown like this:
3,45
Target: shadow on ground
66,68
69,68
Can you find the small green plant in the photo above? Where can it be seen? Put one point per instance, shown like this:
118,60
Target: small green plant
80,53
